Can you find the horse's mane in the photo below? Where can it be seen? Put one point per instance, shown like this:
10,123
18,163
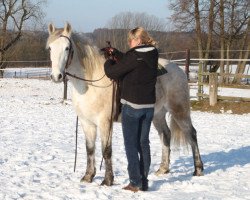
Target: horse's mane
88,54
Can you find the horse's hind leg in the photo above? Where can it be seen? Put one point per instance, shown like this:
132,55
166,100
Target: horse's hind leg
198,165
165,136
90,135
189,133
106,138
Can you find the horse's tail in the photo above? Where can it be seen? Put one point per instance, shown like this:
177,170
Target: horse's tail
177,135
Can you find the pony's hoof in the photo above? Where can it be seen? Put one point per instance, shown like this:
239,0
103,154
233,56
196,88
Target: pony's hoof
108,182
87,179
198,172
162,171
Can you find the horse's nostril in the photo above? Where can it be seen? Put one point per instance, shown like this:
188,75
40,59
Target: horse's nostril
59,76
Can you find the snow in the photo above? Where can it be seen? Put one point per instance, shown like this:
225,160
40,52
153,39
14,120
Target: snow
37,143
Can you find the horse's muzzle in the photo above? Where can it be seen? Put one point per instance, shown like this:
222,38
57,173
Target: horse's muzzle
56,78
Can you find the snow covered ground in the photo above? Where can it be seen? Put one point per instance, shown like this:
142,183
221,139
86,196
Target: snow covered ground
37,143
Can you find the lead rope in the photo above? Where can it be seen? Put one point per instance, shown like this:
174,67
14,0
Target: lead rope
110,122
76,143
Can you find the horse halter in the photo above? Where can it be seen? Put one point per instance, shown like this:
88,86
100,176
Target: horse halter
68,62
71,52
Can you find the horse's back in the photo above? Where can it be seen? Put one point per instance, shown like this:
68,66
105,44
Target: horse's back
175,73
173,86
175,78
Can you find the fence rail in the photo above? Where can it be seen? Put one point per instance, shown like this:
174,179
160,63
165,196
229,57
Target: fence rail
42,73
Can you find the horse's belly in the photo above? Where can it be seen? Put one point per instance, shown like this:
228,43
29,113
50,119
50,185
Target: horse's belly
90,109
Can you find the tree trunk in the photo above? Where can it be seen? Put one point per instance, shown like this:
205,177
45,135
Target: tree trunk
222,40
198,28
227,62
242,64
230,38
210,30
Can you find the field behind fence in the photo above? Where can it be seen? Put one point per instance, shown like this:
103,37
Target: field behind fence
39,72
195,72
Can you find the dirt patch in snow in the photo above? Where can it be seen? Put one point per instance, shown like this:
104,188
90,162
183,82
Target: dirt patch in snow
222,107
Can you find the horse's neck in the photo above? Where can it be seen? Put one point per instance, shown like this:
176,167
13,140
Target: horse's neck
79,86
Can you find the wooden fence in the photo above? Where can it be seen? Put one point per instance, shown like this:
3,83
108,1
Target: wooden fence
213,86
26,69
38,72
212,77
213,89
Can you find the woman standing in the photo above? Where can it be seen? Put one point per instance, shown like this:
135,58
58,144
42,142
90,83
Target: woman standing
137,71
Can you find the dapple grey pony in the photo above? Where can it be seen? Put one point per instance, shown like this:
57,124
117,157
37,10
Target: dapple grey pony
92,101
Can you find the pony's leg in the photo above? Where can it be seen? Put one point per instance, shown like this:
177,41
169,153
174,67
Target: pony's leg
106,139
165,136
190,135
198,165
90,135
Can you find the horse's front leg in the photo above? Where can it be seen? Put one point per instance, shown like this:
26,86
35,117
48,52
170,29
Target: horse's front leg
90,135
106,139
165,136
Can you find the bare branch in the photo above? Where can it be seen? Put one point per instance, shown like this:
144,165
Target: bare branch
14,14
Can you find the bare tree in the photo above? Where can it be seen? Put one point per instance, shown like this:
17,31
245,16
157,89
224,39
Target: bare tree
245,44
210,28
222,39
14,17
198,27
210,18
121,23
187,16
231,26
129,20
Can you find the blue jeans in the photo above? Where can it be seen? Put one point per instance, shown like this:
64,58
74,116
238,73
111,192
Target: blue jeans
136,126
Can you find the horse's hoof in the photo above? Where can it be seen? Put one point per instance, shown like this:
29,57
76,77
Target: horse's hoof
162,171
198,172
87,179
108,182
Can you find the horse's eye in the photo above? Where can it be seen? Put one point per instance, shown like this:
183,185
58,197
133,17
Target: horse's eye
49,48
67,48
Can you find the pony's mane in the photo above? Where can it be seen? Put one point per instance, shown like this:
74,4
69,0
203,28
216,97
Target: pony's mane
88,54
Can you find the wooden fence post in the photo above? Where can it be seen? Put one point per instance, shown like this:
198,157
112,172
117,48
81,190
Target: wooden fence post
213,88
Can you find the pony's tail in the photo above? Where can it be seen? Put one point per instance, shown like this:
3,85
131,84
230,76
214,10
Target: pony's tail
178,138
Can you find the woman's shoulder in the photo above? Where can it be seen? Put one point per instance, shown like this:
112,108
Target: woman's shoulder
145,48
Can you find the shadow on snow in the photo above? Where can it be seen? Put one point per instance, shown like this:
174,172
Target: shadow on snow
182,169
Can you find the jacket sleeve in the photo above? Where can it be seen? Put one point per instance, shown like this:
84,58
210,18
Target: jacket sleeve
118,54
118,70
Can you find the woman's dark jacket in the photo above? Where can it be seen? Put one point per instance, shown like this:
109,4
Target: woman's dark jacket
137,70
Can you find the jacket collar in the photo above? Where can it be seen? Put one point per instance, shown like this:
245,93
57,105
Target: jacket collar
142,48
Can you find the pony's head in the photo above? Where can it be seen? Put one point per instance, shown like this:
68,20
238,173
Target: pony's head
61,50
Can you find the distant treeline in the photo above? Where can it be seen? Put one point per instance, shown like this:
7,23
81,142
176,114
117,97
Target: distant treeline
31,46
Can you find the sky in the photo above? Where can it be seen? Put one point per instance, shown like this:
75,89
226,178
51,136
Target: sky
87,15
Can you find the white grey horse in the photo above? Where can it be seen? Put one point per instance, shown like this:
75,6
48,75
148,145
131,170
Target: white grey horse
92,101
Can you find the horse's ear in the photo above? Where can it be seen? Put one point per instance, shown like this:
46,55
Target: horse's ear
67,29
51,28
